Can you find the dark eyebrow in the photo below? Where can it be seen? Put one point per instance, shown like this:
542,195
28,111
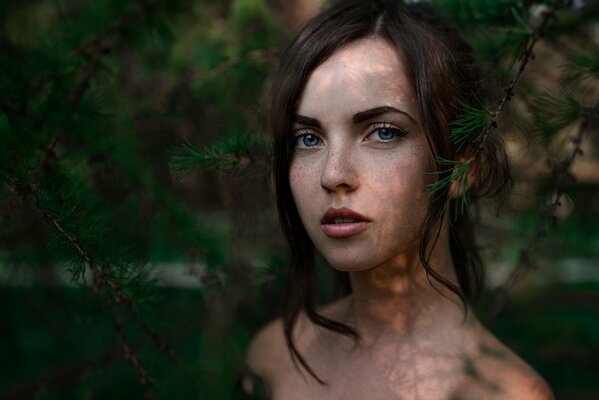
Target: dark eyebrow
375,112
302,120
357,118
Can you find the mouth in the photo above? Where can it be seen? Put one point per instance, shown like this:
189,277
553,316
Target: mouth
342,215
342,222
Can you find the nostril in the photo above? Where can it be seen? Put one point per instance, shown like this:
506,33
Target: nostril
338,174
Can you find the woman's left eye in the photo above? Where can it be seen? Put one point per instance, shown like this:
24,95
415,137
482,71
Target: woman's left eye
387,133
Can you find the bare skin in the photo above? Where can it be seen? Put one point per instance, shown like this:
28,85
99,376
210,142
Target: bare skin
467,363
415,343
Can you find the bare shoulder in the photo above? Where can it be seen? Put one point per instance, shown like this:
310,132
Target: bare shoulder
267,352
268,355
528,385
522,381
499,373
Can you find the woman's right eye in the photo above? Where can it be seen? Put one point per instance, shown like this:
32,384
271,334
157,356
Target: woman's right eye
306,140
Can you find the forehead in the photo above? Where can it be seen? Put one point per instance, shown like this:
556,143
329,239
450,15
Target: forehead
363,74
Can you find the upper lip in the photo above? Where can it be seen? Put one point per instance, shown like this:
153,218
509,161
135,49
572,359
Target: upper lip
342,212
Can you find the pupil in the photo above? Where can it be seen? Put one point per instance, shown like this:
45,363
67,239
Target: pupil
385,133
309,140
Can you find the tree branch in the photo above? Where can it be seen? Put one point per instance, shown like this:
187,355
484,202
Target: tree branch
563,178
525,57
115,296
103,44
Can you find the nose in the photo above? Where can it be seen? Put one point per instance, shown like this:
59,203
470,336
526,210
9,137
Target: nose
339,172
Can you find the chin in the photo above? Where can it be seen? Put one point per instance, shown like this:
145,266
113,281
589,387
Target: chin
349,263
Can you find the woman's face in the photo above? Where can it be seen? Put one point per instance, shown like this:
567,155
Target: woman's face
351,152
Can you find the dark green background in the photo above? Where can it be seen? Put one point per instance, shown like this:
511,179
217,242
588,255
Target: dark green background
205,229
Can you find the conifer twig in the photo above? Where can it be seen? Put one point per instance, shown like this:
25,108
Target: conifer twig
525,57
115,296
128,353
104,44
563,178
474,120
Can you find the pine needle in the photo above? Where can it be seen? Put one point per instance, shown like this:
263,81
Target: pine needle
226,156
553,111
470,126
458,172
479,13
582,66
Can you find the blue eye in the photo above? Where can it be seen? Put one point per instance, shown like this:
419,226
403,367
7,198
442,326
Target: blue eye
307,139
386,133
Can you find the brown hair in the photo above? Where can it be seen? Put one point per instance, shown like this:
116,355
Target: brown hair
445,77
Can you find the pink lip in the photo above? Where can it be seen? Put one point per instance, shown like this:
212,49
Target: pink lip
344,229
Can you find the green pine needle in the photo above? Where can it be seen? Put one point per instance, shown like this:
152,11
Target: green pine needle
479,13
511,40
454,173
582,66
553,111
470,126
223,156
520,20
458,172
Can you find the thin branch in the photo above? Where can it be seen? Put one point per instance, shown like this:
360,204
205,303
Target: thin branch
115,295
525,57
563,179
103,44
60,376
67,376
128,353
99,47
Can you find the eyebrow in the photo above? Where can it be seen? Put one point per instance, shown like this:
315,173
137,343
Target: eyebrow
357,118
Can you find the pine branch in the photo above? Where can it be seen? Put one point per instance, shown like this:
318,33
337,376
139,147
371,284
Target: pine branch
471,121
103,44
525,57
229,156
69,375
115,296
456,174
554,111
472,14
581,66
562,178
96,49
128,353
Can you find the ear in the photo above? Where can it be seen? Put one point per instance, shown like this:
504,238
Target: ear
456,189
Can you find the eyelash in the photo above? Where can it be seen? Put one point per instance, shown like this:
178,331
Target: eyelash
398,133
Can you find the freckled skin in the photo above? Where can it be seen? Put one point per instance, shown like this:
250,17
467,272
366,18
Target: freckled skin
383,181
415,343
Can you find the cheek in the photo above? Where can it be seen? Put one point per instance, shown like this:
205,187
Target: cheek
397,194
400,178
301,182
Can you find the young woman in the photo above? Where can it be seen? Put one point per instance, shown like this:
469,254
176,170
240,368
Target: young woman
362,106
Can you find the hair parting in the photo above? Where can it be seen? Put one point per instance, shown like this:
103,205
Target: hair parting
445,76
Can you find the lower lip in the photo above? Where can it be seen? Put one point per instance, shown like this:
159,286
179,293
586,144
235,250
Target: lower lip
343,230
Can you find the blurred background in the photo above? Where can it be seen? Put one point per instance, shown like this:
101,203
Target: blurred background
139,244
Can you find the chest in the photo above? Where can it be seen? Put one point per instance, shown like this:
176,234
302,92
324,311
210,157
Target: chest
391,374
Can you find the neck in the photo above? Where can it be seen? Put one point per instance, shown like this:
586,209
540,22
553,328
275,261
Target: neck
396,297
